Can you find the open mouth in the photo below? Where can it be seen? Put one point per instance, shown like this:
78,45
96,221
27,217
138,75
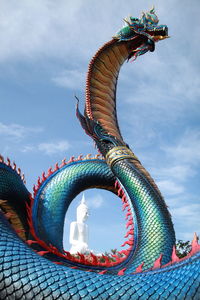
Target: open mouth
159,33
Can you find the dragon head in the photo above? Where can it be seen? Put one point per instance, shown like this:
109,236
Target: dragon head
147,26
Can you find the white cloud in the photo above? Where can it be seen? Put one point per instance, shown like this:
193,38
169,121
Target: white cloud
53,148
17,131
14,130
169,187
27,148
72,79
179,172
30,28
187,149
190,212
48,148
95,202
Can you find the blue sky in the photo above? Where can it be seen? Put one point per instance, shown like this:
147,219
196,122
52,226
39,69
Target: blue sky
45,50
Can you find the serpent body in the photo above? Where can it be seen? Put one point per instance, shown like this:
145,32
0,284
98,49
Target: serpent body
150,269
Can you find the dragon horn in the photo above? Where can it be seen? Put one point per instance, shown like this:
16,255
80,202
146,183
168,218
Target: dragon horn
152,10
126,21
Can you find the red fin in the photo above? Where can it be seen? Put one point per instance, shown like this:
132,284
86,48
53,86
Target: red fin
57,262
82,258
128,214
39,181
175,258
125,205
94,259
68,255
106,258
56,168
157,263
116,184
80,157
139,268
121,272
129,242
42,252
130,232
120,191
125,252
195,245
8,160
63,163
71,159
43,176
124,198
103,272
30,242
129,223
49,172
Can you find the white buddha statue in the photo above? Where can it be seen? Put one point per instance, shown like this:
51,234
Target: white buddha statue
78,236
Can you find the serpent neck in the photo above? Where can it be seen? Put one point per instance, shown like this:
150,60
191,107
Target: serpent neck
101,84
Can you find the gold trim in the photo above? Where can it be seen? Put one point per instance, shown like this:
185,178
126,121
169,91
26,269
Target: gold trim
118,153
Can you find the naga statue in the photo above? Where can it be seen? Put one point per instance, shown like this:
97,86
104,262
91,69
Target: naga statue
33,263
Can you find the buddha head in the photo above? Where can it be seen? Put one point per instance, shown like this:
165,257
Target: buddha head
82,211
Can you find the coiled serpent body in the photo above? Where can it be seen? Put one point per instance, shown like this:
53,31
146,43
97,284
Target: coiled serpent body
33,264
